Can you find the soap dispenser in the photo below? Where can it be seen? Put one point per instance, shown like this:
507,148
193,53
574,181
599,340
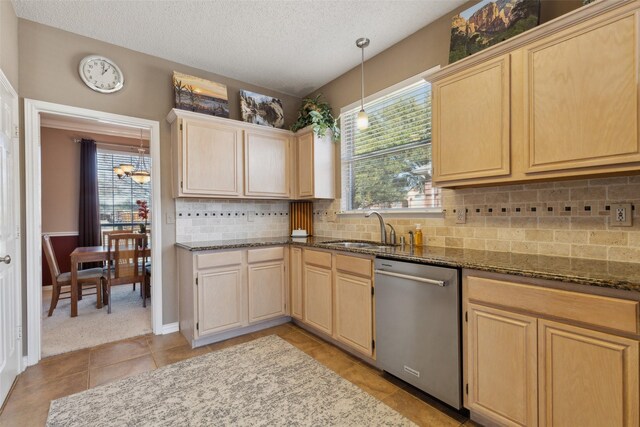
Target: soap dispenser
418,235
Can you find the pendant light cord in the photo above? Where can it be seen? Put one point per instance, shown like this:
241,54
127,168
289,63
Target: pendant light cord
362,80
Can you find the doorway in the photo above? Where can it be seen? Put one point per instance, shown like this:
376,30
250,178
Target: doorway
35,112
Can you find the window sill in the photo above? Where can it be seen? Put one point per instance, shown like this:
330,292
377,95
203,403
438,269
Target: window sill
399,213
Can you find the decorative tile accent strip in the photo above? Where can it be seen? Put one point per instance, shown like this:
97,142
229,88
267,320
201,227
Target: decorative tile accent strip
203,219
566,218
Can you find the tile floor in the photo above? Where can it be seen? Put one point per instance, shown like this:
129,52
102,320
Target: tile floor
58,376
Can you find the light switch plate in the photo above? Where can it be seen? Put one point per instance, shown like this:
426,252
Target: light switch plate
621,215
171,218
251,215
461,216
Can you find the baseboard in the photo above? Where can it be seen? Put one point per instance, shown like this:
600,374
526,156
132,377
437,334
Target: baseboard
170,328
240,331
25,363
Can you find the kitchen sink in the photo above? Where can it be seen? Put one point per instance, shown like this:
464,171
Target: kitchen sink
357,245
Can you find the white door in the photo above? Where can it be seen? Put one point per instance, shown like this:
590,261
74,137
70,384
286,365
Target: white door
9,286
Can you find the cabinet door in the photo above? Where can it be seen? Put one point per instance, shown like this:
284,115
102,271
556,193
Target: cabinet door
296,283
354,324
471,130
502,366
305,169
266,157
211,159
220,297
266,290
317,298
581,96
587,378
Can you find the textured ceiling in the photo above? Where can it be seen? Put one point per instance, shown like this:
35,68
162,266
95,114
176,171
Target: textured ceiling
293,46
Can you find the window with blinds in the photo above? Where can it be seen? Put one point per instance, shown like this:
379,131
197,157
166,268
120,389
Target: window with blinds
388,165
118,209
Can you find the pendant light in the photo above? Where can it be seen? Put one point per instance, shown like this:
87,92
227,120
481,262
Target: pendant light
363,118
138,173
141,174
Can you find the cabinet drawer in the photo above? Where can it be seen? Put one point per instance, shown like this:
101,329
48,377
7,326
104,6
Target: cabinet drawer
265,254
355,265
606,312
321,259
218,259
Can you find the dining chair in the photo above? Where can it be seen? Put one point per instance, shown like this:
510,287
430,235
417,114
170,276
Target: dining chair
87,279
126,259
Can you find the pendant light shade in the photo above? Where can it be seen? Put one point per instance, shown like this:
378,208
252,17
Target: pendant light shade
363,118
138,173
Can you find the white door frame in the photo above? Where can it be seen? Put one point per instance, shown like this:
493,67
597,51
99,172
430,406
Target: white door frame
17,257
33,169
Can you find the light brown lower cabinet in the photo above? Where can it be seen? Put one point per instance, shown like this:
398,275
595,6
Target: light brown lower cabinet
354,321
295,267
266,290
587,378
223,293
529,364
318,310
502,366
332,292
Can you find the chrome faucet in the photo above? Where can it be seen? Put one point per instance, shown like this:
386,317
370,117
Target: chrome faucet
392,234
383,230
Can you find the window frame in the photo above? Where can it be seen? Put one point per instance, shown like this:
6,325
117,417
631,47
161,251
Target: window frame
134,156
402,212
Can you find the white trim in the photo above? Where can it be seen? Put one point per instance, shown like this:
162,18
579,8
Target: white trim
390,89
32,111
170,328
100,128
17,257
59,233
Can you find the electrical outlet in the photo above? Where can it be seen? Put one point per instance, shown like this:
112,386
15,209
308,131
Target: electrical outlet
461,216
251,215
621,215
332,217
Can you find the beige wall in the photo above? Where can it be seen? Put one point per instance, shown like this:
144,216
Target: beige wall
9,42
147,94
60,176
422,50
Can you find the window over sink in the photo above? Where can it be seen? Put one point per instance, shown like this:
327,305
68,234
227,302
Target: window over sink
388,165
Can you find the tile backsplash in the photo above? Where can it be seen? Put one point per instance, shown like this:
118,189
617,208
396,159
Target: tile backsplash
567,218
205,219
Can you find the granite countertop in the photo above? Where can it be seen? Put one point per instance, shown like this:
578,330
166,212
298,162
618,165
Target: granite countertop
608,274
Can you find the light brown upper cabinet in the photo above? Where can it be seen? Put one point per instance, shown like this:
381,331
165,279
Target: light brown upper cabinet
209,159
315,166
558,101
581,96
214,157
266,159
471,126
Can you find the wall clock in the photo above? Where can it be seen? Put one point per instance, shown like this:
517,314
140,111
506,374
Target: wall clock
101,74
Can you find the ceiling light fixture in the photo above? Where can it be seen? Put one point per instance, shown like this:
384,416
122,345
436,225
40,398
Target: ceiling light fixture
363,119
138,173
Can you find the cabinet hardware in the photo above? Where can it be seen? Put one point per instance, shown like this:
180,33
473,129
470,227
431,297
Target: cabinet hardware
196,281
373,291
197,326
373,344
466,316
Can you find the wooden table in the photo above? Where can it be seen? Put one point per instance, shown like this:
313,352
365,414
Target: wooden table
81,255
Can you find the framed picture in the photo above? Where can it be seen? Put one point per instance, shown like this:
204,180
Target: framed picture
200,95
261,109
489,22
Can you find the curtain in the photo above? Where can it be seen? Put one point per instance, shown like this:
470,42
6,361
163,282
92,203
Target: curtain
89,213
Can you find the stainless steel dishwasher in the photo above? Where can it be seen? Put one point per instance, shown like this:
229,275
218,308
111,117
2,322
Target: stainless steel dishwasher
418,326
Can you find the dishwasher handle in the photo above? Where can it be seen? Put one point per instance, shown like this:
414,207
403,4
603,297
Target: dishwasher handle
440,283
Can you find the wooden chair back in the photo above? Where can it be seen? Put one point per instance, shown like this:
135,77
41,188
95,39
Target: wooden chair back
50,255
126,255
107,234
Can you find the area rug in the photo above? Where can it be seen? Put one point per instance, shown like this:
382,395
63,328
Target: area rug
264,382
62,333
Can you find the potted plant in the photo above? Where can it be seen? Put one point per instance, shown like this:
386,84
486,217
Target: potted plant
317,113
143,213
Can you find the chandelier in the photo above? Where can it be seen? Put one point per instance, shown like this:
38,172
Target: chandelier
138,173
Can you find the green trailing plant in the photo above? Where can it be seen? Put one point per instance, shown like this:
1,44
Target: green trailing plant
317,113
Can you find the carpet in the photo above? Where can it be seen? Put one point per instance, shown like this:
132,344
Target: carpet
264,382
62,333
